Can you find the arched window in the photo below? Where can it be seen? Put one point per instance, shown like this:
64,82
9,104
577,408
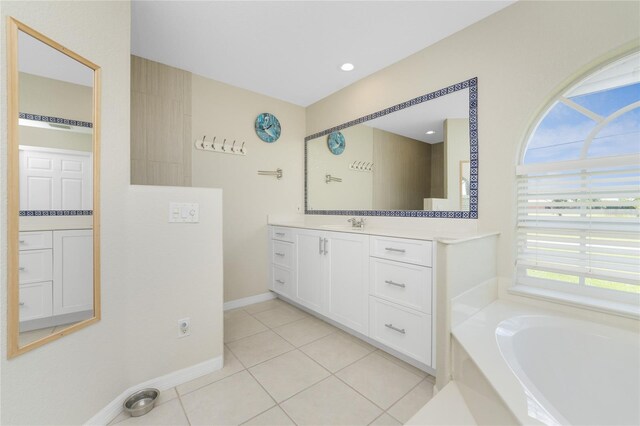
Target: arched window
578,186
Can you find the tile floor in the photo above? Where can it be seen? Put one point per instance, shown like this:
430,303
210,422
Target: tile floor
285,367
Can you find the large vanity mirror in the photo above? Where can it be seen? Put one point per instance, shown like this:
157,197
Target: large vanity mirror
53,178
415,159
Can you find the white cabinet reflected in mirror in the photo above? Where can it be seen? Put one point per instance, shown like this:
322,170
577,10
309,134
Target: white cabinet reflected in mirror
54,197
415,159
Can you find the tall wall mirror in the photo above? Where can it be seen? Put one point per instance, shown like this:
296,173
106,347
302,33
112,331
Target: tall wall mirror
53,178
415,159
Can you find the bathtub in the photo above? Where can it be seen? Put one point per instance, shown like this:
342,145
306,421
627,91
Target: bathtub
549,368
572,371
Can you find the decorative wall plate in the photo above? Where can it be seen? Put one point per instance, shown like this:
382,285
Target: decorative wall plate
267,127
336,143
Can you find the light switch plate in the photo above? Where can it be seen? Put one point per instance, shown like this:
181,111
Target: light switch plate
184,212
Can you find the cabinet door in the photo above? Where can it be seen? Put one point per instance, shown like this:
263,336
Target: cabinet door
310,270
348,280
72,271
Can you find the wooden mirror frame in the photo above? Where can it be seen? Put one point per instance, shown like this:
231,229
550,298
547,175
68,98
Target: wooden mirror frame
13,182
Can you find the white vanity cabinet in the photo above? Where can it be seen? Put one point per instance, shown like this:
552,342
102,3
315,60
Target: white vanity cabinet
282,264
332,275
55,275
72,271
380,287
35,275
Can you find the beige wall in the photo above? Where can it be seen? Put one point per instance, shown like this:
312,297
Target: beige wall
437,170
228,112
401,176
522,56
153,273
456,146
55,98
355,192
161,124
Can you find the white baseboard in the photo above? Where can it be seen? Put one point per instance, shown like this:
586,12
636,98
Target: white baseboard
114,408
239,303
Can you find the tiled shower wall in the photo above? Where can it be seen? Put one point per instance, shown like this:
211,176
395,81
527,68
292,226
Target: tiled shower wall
160,124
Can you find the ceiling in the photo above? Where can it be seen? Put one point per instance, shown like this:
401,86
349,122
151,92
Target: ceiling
38,58
292,50
415,121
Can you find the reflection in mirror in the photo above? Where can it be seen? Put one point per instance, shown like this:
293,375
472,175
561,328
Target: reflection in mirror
53,162
415,157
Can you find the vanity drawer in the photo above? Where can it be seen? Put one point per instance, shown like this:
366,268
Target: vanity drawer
403,250
282,254
282,280
402,283
35,240
35,266
400,328
36,300
282,234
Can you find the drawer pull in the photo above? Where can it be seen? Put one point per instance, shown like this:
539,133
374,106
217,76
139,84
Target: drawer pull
280,282
280,233
395,249
21,241
279,254
399,330
21,268
21,303
396,284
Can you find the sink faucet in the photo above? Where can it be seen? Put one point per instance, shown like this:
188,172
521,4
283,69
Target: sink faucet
357,223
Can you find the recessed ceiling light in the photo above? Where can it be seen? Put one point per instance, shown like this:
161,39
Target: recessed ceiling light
347,67
430,132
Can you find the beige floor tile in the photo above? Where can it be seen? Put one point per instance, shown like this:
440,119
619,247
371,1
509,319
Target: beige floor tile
170,413
385,420
379,379
402,364
288,374
231,366
280,316
304,331
330,402
260,347
409,405
359,341
265,306
272,417
235,313
229,401
335,351
166,396
241,326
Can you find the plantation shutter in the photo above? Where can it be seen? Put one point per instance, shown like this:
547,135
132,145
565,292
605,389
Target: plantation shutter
579,223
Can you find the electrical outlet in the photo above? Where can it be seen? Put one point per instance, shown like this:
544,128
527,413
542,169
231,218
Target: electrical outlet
184,327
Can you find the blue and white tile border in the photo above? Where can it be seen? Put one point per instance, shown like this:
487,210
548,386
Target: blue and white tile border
56,120
56,212
472,85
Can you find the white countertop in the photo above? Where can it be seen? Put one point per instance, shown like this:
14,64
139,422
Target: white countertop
416,234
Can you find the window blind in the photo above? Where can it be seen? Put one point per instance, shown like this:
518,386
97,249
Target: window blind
579,224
